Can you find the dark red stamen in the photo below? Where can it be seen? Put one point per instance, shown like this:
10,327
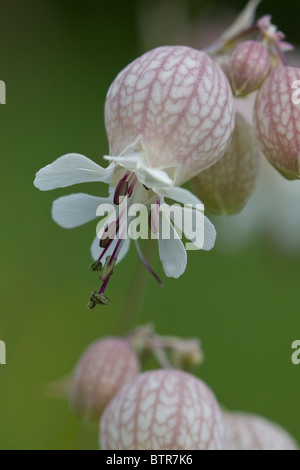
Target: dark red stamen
132,185
154,217
109,234
120,192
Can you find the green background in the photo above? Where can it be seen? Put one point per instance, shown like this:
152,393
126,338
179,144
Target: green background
58,59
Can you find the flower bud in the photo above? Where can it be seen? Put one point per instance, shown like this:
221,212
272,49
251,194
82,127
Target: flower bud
248,66
163,409
277,120
103,369
176,103
250,432
226,187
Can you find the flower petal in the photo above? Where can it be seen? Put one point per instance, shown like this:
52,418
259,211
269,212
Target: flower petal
172,252
96,250
179,194
71,169
146,175
210,235
109,217
154,177
130,162
191,219
76,209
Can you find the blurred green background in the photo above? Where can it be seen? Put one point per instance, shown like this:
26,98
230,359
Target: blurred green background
58,59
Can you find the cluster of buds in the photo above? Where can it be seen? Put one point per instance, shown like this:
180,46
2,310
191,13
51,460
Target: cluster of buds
252,55
161,409
111,362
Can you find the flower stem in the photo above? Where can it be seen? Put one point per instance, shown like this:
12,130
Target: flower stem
130,309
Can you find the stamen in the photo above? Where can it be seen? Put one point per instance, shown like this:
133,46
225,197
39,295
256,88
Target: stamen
96,299
146,263
108,268
124,189
131,187
103,252
154,218
107,271
107,245
103,287
109,234
121,190
96,266
118,245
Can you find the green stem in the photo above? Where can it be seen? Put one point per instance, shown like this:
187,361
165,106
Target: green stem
130,309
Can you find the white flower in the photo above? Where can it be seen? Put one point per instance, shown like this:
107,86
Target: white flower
129,176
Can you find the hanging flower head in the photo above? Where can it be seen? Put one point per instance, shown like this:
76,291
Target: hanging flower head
169,115
163,409
177,103
246,431
277,120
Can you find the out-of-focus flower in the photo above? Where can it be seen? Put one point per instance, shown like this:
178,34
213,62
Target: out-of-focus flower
277,121
163,409
103,369
226,187
273,213
245,431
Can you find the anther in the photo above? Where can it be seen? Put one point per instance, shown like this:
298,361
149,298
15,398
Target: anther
96,266
109,234
97,299
108,268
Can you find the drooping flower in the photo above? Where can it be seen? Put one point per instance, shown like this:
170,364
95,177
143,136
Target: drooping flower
277,121
160,410
168,115
245,431
103,369
177,103
226,187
